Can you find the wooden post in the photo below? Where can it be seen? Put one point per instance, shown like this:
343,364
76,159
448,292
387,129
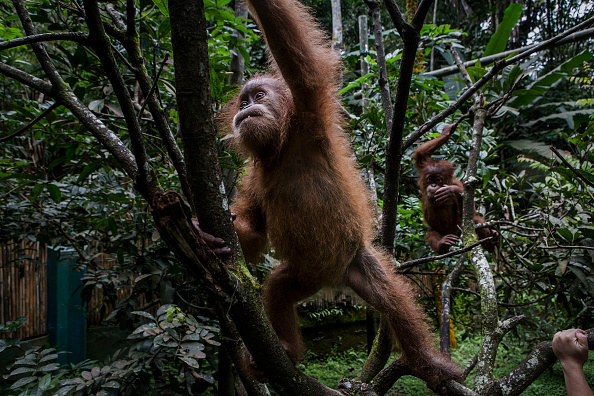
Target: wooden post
364,50
336,26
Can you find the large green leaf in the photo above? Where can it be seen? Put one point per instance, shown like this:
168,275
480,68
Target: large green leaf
498,41
163,6
549,80
527,145
54,192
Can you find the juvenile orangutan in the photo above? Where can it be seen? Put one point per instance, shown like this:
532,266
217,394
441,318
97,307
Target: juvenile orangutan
441,198
303,193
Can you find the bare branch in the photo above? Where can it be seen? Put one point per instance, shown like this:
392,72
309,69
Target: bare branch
422,10
446,292
487,60
154,86
131,44
26,79
33,122
526,372
465,249
566,247
571,168
490,224
374,10
78,37
394,149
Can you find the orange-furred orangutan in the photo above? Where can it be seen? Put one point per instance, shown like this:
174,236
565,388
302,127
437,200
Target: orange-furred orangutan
441,198
304,195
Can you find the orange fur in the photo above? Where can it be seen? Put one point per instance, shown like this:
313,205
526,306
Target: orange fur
304,192
444,218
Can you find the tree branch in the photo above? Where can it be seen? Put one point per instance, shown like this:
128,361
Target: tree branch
374,10
394,149
571,168
33,122
566,247
132,45
78,37
413,263
487,60
446,293
26,79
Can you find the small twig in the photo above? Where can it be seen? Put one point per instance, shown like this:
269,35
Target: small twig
490,224
154,86
509,305
412,263
73,243
189,304
446,293
116,117
566,247
459,289
571,168
30,125
123,58
470,365
521,234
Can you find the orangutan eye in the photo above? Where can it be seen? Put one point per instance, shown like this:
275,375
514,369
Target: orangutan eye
260,95
243,104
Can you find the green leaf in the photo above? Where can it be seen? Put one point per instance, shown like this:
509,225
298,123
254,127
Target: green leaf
499,40
145,314
54,192
23,382
165,28
50,367
44,382
22,370
579,274
97,105
587,231
566,234
88,170
163,6
36,190
8,33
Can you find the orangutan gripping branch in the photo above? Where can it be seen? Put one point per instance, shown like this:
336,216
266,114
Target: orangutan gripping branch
303,192
441,198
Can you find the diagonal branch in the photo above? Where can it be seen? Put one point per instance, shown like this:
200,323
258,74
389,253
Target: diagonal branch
571,168
131,43
78,37
413,263
26,79
33,122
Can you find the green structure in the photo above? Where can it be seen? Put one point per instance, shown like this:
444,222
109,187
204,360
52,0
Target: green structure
66,313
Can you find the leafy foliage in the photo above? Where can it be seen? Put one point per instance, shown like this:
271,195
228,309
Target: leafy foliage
168,352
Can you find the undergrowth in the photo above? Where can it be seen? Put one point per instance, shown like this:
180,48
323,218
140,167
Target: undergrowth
336,366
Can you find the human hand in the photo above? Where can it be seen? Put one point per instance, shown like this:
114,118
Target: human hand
571,347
